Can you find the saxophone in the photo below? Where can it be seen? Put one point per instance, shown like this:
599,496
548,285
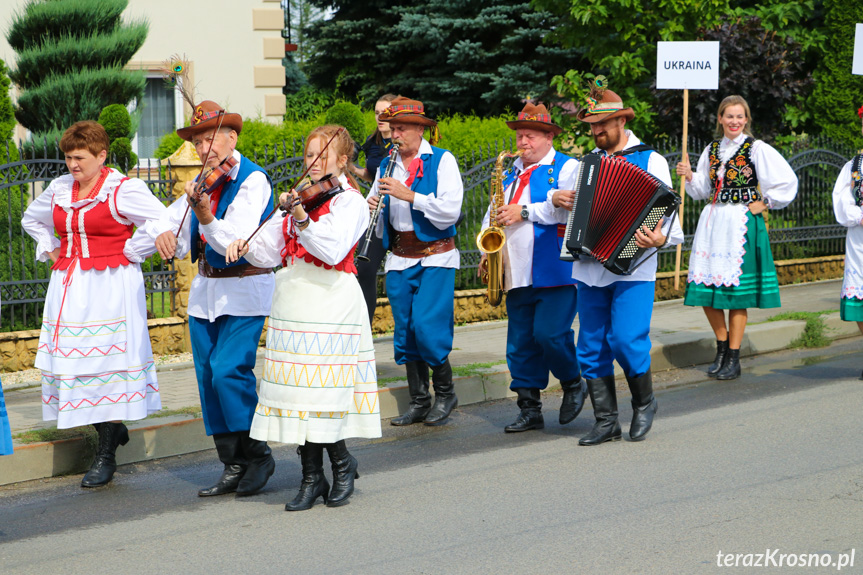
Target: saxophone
491,240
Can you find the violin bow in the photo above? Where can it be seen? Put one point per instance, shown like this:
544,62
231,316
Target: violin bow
203,167
297,181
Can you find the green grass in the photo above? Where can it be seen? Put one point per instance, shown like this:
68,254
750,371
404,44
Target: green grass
457,370
194,411
159,304
54,434
813,333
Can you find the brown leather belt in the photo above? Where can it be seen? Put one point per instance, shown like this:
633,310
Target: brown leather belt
240,271
408,245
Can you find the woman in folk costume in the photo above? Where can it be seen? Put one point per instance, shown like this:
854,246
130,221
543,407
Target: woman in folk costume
731,266
94,349
319,384
848,207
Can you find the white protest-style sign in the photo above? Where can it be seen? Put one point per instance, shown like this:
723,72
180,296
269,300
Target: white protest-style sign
687,65
857,64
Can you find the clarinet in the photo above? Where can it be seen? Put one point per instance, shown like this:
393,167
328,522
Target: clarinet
363,255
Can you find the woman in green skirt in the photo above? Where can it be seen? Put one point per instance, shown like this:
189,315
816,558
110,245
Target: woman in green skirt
731,267
847,202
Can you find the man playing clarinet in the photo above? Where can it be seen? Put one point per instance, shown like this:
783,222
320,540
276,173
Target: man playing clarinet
422,203
228,302
614,311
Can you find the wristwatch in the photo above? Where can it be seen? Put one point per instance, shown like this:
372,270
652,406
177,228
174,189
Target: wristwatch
524,213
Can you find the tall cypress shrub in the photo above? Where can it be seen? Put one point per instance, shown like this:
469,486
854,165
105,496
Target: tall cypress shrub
69,63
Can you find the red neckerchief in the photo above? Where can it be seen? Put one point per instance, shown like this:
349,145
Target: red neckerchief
415,170
214,202
523,181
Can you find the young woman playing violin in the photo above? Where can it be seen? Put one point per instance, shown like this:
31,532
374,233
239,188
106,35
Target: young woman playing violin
319,384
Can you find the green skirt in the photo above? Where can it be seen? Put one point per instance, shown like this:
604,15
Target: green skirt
851,309
759,286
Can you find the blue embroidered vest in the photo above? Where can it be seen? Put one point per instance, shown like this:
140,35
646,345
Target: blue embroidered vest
548,269
229,192
426,185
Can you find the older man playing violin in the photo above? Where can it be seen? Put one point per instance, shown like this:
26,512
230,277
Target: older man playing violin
228,302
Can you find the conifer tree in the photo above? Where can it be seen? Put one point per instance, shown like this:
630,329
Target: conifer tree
69,64
465,56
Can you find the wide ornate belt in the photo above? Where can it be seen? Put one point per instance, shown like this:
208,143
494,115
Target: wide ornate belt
739,195
408,245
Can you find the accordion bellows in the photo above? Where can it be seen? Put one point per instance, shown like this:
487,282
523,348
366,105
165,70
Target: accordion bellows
613,198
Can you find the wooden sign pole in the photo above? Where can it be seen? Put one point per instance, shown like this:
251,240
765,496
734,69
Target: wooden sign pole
684,156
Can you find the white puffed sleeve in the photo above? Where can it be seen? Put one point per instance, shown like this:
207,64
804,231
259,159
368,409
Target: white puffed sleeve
136,203
38,222
776,178
848,213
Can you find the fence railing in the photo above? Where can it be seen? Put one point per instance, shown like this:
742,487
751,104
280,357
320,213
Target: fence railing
806,228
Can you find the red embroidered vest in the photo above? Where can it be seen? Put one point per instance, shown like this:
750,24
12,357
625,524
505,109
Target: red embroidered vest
95,234
293,249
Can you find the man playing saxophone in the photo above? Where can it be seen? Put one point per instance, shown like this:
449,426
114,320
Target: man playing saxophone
541,294
422,202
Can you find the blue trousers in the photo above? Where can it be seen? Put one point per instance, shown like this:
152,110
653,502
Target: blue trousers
422,304
539,336
224,352
614,323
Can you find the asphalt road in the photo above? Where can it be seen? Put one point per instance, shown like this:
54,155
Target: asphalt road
769,464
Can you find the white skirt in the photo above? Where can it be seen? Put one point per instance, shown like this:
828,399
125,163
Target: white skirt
319,382
719,245
96,359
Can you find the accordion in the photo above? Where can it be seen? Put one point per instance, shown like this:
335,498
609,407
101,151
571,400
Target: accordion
613,199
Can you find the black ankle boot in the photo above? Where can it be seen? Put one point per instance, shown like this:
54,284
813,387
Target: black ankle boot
574,392
731,367
604,399
344,472
231,455
444,395
418,386
643,405
110,436
530,416
261,465
314,483
721,352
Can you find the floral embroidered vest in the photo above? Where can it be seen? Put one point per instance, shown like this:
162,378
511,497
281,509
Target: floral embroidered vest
740,183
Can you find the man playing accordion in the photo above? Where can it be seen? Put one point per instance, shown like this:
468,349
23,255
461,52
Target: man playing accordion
614,310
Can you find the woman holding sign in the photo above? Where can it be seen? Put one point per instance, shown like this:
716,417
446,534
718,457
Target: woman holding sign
848,208
731,266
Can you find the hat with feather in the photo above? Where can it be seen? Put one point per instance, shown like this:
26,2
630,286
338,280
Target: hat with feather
603,104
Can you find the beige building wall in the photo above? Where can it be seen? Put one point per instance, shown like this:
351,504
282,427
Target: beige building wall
232,45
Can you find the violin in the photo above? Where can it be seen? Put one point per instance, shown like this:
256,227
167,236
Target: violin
313,195
216,176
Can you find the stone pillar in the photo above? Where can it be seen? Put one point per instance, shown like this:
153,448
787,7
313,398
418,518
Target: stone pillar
185,166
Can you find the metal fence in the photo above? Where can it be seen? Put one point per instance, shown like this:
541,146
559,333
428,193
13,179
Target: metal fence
806,228
23,280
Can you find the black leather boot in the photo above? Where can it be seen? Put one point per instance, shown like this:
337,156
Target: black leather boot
731,367
344,472
110,436
604,399
531,411
261,465
574,392
444,395
418,387
231,454
721,353
643,405
314,483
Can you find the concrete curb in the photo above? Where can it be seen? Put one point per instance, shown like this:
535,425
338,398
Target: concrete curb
155,438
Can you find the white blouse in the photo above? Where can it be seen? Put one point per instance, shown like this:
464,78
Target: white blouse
330,239
135,203
776,179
